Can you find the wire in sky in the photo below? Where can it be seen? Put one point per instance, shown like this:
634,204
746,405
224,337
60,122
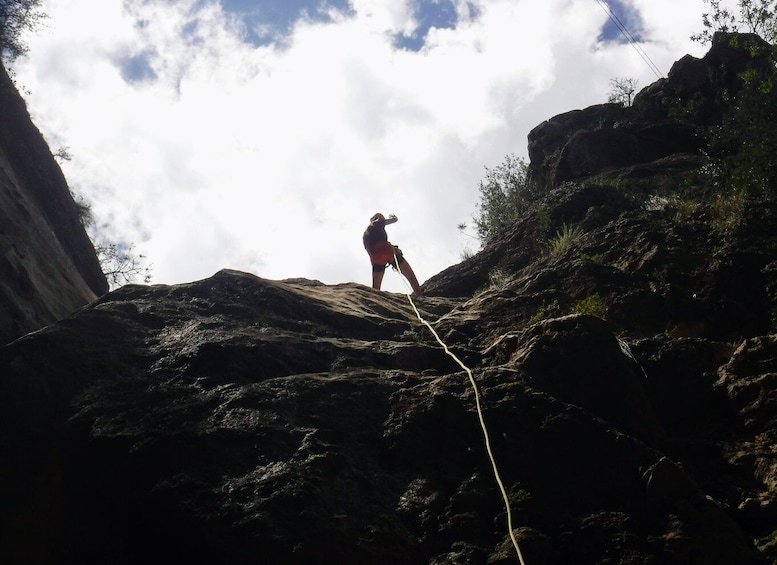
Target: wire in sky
630,38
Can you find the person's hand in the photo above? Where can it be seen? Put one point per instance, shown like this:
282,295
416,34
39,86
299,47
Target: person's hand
392,217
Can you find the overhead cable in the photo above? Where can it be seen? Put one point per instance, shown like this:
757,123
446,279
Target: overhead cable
630,38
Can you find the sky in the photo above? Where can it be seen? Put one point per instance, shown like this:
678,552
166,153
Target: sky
261,135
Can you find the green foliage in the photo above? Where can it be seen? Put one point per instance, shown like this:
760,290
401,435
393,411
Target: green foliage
686,208
717,19
593,305
673,205
547,310
657,203
466,253
742,156
498,277
564,239
595,258
688,109
505,194
743,148
741,160
84,210
543,221
417,334
17,17
760,17
756,16
727,210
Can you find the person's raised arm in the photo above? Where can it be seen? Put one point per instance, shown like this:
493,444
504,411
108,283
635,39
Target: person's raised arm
391,219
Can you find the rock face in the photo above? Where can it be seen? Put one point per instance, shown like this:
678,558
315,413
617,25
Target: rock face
582,143
239,420
625,380
48,267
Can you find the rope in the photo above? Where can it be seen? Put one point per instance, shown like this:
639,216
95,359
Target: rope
480,416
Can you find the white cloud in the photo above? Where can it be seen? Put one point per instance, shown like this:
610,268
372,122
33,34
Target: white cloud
271,159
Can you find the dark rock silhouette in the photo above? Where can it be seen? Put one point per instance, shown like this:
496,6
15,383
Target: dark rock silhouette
48,266
626,381
586,142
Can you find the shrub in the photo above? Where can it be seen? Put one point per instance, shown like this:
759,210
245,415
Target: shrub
593,305
549,310
498,278
564,239
727,211
543,221
743,146
505,194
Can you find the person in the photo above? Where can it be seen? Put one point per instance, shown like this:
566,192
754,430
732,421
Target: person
383,253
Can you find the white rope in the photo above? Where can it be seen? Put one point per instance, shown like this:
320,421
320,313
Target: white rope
480,417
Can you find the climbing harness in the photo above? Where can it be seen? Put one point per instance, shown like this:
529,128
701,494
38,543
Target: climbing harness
479,410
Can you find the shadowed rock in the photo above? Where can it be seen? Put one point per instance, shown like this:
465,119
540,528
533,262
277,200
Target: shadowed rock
48,267
237,417
598,139
625,375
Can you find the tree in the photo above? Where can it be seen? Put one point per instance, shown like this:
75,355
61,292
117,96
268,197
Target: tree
121,265
740,128
622,91
758,16
62,154
118,261
16,17
743,147
505,193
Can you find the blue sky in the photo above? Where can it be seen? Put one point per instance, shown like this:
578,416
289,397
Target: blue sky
432,15
261,136
269,21
624,17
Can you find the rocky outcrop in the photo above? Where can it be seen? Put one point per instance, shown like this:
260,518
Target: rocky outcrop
48,266
621,337
657,267
663,120
236,419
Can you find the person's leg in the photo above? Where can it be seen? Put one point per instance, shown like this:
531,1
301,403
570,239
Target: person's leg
377,275
407,271
377,279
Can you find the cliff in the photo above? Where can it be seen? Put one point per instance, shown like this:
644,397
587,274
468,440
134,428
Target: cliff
48,267
625,377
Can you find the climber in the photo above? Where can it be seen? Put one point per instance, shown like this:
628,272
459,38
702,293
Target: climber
383,253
